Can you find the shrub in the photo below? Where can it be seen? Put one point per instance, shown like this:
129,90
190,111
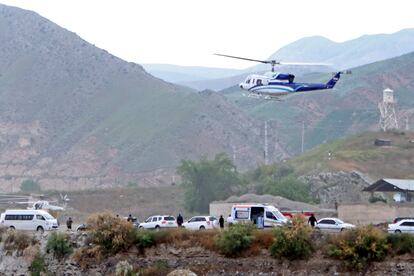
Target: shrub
112,234
359,246
30,185
235,239
58,244
17,240
37,266
123,268
401,243
159,268
144,238
292,241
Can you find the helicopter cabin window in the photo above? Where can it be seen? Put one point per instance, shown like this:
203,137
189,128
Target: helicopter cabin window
259,82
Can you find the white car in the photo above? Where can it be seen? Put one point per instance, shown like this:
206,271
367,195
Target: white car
201,223
159,221
402,226
332,225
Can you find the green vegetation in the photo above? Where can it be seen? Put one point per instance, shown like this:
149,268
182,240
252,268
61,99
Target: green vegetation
358,247
401,243
29,186
278,179
144,239
292,241
37,266
58,244
235,239
207,180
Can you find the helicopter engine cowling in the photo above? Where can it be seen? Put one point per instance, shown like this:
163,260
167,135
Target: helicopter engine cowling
284,76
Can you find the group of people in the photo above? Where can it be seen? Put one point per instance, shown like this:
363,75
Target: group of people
180,220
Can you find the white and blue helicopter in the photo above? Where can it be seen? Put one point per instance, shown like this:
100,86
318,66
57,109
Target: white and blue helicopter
273,85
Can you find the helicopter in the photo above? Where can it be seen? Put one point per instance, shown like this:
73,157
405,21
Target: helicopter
273,85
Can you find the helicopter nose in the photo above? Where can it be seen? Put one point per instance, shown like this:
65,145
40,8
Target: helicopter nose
241,85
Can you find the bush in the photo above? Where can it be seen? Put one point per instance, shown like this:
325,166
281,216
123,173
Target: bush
17,240
359,246
123,268
37,266
58,244
112,234
401,243
292,241
144,238
29,186
235,239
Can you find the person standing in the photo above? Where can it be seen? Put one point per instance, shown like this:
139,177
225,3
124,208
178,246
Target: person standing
312,220
69,223
221,222
180,220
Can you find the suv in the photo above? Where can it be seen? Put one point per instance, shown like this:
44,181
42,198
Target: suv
201,223
159,221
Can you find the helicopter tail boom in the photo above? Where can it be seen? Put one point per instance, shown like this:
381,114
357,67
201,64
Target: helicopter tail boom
331,83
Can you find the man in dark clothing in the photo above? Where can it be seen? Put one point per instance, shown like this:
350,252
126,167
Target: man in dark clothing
129,219
69,223
312,220
180,220
221,221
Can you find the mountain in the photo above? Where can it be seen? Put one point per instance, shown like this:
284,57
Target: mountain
341,55
352,53
351,107
74,116
181,74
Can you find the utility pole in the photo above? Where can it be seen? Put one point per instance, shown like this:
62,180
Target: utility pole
406,123
265,144
303,136
234,153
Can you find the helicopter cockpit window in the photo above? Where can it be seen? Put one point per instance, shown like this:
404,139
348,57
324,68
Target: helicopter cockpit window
248,81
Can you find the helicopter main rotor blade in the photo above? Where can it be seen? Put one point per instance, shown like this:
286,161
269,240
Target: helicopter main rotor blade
305,63
249,59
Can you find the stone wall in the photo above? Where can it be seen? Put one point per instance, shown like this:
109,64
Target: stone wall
375,213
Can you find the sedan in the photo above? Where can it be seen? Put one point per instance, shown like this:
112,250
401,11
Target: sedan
402,226
332,225
159,221
201,223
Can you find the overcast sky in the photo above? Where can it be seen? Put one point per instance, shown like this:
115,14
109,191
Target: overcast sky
188,32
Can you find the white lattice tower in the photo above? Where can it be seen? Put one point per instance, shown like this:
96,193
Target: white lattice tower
388,118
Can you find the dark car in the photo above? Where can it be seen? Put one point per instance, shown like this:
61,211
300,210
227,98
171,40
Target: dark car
397,219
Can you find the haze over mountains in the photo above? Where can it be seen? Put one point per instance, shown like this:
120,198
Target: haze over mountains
344,55
74,116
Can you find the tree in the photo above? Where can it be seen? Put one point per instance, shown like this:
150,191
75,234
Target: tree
30,185
207,180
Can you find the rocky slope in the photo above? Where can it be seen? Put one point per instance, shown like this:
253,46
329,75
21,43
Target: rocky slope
74,116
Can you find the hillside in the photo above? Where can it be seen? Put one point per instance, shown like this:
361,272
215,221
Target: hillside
358,153
351,107
75,116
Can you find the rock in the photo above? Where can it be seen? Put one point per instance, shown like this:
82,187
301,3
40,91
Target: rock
181,272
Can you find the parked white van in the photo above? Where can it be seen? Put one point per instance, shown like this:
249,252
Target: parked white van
25,219
251,212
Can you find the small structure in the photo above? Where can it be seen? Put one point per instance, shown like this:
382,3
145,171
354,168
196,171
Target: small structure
388,117
394,190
